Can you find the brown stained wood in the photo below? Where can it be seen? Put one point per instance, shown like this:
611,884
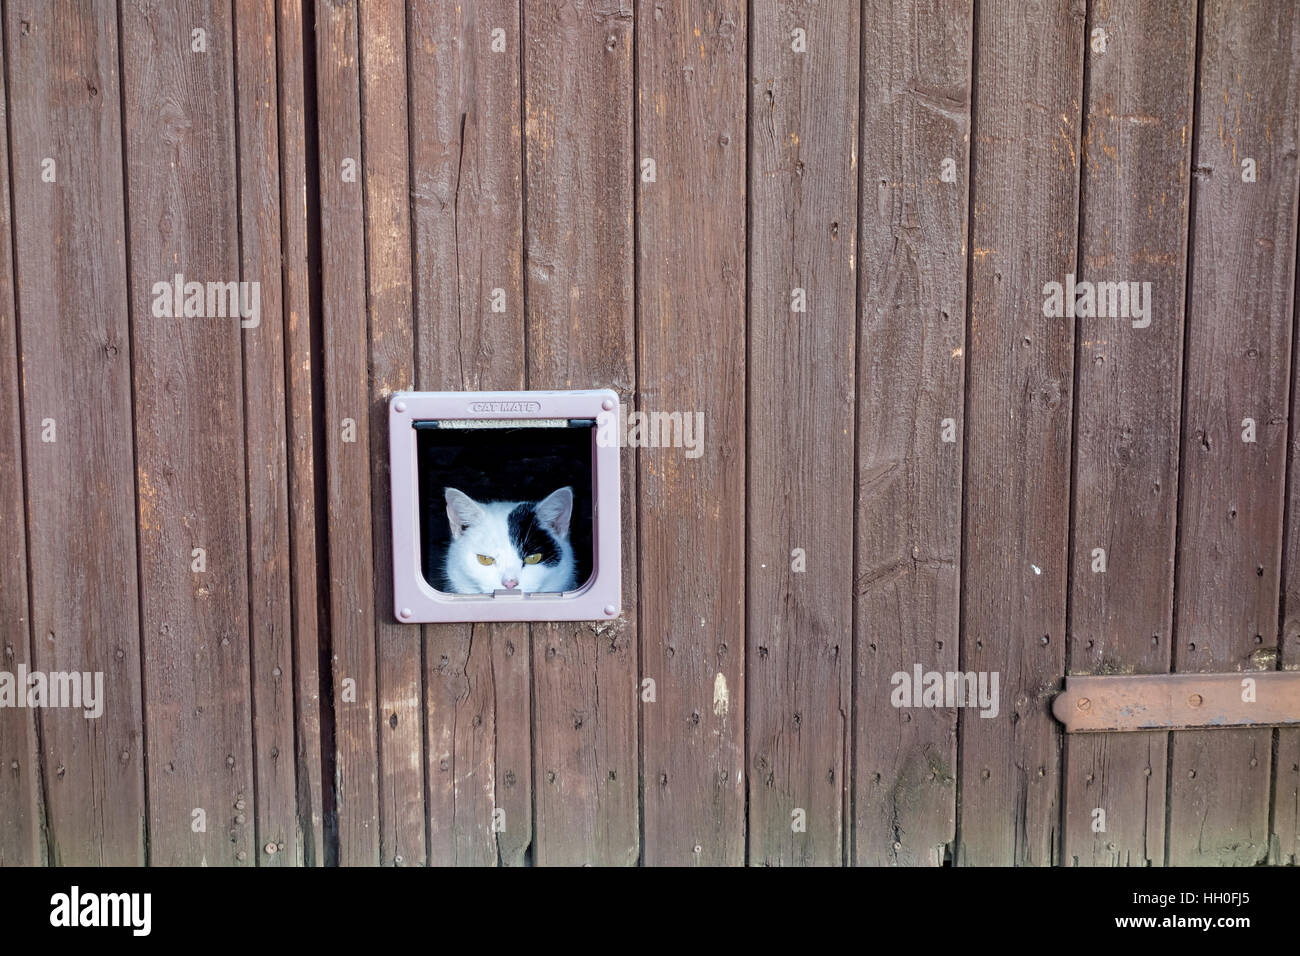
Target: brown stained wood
581,334
1134,214
1237,367
21,842
1284,840
1024,189
916,63
72,309
803,120
347,434
264,431
189,435
691,122
392,368
1135,702
521,170
298,428
467,208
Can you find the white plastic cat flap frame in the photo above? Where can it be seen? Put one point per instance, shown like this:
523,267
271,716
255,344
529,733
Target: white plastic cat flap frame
467,450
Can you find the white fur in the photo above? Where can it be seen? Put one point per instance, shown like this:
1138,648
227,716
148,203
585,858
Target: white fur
481,528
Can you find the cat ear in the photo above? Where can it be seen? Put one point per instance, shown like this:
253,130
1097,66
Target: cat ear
462,511
555,510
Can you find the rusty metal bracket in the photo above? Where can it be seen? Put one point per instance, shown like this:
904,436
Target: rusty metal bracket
1178,701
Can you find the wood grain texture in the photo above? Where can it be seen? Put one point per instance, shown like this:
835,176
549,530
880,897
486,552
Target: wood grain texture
1133,229
1024,189
691,121
348,417
271,620
1284,836
916,63
297,311
71,270
1238,361
467,219
581,334
189,435
392,368
803,125
21,840
947,457
1284,830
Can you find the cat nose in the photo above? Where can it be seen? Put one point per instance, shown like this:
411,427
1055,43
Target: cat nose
509,583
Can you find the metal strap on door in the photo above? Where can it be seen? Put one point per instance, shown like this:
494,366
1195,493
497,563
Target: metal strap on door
1117,703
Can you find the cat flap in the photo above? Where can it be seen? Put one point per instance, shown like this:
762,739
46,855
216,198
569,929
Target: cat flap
505,506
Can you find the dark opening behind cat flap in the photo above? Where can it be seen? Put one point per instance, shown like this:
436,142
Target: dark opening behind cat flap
505,506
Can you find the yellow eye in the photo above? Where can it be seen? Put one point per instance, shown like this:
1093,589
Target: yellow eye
484,559
533,558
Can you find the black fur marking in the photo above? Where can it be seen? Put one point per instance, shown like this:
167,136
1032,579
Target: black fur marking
529,537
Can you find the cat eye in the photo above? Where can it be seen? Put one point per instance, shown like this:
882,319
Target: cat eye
533,558
485,560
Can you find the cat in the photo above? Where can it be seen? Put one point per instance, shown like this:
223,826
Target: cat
509,545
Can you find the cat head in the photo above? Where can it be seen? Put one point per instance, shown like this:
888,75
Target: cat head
509,545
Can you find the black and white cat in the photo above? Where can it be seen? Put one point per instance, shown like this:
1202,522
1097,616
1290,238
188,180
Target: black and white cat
509,545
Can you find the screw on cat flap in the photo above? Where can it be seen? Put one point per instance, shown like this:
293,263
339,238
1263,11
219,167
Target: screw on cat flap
505,506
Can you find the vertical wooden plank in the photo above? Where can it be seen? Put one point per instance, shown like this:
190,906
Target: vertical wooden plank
347,433
1284,835
916,88
467,220
299,425
1284,839
392,358
803,125
691,125
1133,229
20,783
181,176
1024,231
264,432
579,283
72,306
1237,368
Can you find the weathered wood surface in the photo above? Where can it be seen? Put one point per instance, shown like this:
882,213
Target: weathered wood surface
347,414
21,840
1236,392
916,63
803,113
270,600
647,184
1133,214
292,47
581,334
467,221
70,261
1020,371
392,368
691,334
181,170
